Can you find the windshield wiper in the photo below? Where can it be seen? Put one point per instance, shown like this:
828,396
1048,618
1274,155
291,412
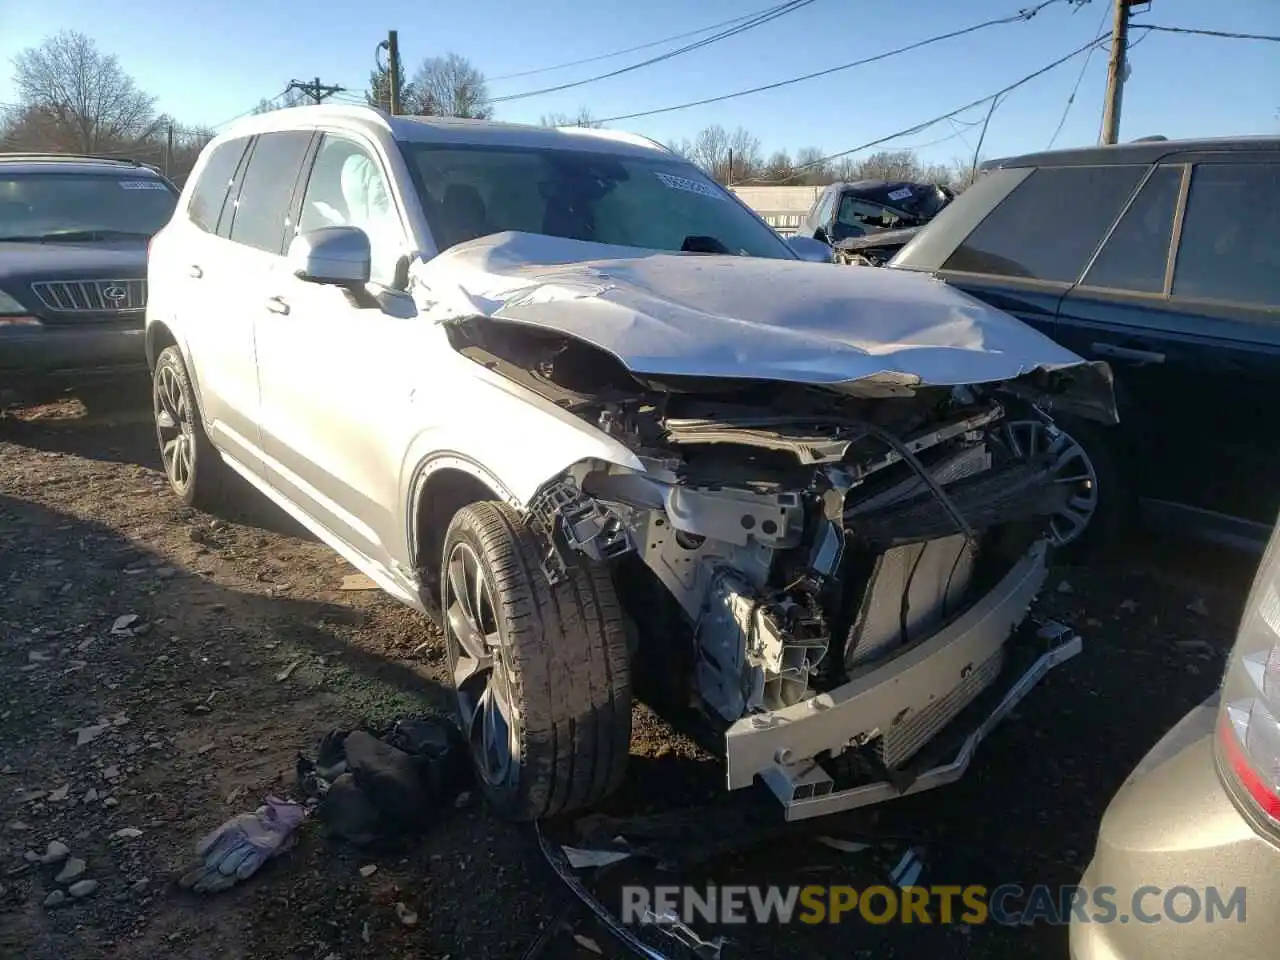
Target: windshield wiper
75,236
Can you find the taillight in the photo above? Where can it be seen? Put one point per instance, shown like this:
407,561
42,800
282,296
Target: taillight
1249,717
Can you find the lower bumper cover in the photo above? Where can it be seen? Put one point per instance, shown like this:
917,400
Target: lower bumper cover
30,354
780,746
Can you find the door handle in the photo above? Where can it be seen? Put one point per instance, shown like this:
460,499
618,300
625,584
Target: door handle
1133,354
278,305
194,271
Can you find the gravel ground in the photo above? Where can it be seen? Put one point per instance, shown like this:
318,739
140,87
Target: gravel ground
245,649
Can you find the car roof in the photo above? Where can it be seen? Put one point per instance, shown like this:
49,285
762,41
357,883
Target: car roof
450,130
74,164
1144,151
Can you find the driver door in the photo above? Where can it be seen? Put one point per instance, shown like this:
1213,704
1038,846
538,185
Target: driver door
336,367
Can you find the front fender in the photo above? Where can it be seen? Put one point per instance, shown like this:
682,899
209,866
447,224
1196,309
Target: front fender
511,439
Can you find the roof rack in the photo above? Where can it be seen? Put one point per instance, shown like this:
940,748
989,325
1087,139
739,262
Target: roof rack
70,158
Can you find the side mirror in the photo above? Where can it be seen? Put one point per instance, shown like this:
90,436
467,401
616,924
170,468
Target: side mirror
334,255
820,234
810,250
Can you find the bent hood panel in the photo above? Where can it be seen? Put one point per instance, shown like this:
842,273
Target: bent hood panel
874,331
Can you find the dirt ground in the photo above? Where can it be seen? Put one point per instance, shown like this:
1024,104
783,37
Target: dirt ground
245,650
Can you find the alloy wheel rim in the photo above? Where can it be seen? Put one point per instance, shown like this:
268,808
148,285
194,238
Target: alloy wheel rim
175,428
481,673
1070,465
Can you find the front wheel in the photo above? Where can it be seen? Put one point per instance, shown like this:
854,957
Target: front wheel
192,465
541,672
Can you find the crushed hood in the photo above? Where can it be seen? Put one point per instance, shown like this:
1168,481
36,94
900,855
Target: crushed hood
870,332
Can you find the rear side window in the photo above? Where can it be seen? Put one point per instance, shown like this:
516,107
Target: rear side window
1137,252
1230,246
266,190
211,189
1048,228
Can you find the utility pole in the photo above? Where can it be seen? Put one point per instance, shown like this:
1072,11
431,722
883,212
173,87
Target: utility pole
168,150
1116,69
316,90
391,70
730,167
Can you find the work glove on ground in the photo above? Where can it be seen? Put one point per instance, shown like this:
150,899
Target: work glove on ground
235,850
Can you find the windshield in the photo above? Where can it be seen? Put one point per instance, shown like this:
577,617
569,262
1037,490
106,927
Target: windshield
62,206
658,204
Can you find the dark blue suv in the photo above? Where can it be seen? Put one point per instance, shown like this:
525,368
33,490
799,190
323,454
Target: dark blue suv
1163,259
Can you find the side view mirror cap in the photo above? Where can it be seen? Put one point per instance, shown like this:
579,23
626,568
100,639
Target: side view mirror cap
335,255
810,249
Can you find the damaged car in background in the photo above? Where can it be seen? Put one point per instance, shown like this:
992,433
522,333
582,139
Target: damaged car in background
600,420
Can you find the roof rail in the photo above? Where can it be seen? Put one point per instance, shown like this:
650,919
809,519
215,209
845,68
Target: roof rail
71,158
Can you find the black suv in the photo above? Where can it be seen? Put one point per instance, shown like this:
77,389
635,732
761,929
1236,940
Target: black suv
73,268
1163,259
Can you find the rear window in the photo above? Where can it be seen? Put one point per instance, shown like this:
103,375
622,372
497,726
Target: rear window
1049,227
1230,246
46,207
1137,252
211,189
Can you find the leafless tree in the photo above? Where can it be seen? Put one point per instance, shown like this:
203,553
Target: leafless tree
777,169
290,98
745,154
682,148
811,168
888,165
711,151
450,86
583,118
81,96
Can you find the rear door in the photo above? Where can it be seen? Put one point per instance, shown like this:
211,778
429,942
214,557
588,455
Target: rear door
1183,300
1028,251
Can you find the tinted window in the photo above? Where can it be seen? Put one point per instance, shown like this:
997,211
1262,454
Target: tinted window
1230,246
1137,251
347,188
1049,226
267,188
660,203
211,189
83,206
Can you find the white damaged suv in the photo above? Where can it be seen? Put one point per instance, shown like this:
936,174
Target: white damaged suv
566,394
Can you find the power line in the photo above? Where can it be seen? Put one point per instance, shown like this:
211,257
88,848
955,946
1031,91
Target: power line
1205,33
951,113
250,110
638,47
773,13
1021,15
1079,80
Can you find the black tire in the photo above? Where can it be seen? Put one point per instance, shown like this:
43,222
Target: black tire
1114,513
203,484
563,650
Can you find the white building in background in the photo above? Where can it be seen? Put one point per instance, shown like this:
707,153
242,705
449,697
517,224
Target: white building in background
781,207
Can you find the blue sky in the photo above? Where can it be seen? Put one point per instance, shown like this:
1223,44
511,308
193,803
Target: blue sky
208,62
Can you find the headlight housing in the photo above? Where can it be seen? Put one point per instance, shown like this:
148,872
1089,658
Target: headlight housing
1249,714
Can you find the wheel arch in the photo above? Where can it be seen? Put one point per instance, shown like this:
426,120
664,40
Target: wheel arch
442,486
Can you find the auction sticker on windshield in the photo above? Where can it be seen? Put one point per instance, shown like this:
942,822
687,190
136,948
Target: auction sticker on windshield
142,185
688,186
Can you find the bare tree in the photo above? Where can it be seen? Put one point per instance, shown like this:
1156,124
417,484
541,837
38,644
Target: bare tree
778,168
889,165
286,100
83,97
711,151
811,168
583,118
682,148
450,86
745,157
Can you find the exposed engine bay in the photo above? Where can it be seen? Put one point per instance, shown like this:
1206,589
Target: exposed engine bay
805,537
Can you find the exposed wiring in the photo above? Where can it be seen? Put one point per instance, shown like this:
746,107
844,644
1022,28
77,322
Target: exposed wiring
1079,80
1021,15
1205,33
946,116
902,450
773,13
626,50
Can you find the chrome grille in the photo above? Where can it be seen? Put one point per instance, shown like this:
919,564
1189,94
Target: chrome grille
92,296
918,728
